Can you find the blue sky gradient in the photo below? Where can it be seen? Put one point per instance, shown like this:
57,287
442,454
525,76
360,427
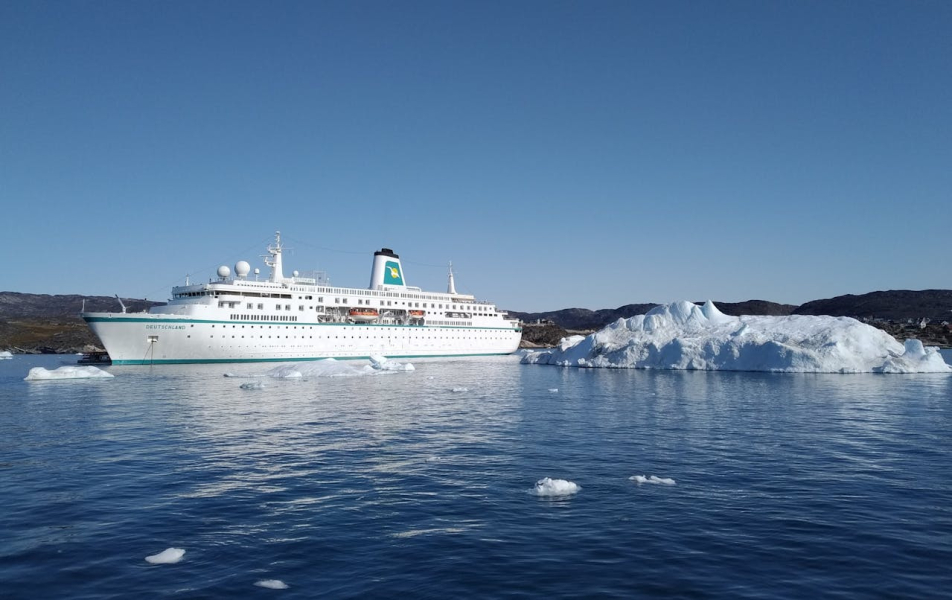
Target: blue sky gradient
561,154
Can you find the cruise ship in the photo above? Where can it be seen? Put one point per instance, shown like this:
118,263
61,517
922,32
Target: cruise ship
238,318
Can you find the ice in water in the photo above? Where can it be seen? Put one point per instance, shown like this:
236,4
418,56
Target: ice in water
330,367
41,374
652,479
166,557
272,584
555,487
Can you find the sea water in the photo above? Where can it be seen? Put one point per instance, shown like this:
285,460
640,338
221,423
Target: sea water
431,483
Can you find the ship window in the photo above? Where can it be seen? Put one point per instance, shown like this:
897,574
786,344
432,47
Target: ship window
301,307
287,307
277,307
250,305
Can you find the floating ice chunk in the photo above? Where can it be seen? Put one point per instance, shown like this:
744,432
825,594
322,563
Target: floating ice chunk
555,487
5,355
460,389
166,557
639,479
41,374
433,459
553,390
683,335
328,367
382,363
254,385
272,584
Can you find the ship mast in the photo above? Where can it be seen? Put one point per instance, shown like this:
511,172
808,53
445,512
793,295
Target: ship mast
274,260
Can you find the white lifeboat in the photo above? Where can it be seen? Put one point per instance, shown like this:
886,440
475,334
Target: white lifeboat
363,315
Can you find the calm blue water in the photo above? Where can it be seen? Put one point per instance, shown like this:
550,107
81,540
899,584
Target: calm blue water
787,486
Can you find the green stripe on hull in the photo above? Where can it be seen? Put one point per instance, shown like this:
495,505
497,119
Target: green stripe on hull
282,323
184,361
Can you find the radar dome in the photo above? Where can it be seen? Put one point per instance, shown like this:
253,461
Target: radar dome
242,268
295,273
223,271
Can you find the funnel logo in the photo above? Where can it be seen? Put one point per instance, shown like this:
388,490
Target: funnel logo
391,273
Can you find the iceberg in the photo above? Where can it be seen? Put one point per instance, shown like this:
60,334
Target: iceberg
41,374
685,336
272,584
5,355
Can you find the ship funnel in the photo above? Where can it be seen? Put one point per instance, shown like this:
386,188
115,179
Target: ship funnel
387,272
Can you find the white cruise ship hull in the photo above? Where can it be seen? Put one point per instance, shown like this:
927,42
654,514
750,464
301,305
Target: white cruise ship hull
144,338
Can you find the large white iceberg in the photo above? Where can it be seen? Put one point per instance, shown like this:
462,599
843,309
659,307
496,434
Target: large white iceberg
683,335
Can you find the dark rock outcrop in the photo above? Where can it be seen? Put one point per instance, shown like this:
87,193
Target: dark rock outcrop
45,324
891,305
584,319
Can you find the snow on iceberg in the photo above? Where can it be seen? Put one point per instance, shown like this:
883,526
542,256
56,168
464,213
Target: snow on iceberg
683,335
5,355
168,556
41,374
555,487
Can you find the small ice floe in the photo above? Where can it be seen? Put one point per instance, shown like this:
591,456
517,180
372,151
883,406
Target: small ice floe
329,367
639,479
554,390
41,374
460,389
555,487
430,377
382,363
272,584
5,355
169,556
433,459
254,385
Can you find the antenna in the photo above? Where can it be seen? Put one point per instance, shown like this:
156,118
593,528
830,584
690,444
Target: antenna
121,304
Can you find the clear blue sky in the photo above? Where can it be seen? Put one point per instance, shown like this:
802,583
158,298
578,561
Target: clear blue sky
587,154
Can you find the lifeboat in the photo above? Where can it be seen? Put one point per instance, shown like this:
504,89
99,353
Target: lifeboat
416,314
363,315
